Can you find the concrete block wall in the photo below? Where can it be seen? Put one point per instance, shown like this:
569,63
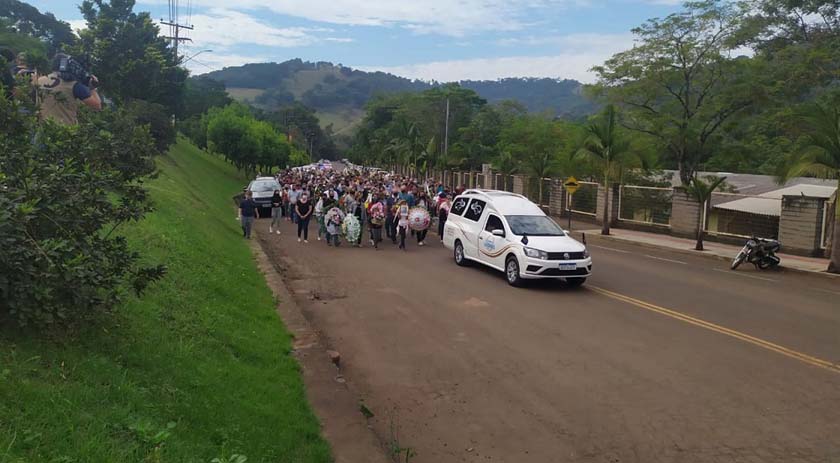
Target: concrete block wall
519,184
800,225
684,214
557,203
599,207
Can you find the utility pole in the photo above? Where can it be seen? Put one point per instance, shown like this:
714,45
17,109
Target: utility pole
176,38
446,131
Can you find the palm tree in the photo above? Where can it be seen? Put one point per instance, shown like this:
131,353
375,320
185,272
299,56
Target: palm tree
702,191
821,158
540,165
609,150
507,165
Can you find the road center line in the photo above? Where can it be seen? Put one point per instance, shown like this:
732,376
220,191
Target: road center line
666,260
610,249
732,272
805,358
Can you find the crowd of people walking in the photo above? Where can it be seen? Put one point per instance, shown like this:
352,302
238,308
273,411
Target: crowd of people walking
354,206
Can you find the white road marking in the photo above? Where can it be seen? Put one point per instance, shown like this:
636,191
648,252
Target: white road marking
610,249
732,272
666,260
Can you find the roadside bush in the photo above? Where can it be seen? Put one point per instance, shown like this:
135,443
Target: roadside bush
63,198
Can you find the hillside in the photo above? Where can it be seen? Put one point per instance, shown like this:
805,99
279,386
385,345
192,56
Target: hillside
197,369
339,93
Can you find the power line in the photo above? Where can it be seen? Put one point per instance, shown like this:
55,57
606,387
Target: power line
175,26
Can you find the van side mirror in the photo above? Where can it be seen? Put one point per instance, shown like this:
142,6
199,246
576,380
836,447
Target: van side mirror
498,232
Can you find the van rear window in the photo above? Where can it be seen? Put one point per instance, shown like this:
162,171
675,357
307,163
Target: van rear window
459,206
474,211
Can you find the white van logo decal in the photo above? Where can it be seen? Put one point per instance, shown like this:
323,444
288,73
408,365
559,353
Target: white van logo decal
476,208
489,244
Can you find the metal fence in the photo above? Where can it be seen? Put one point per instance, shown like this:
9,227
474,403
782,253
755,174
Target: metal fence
502,182
644,204
585,199
538,190
738,215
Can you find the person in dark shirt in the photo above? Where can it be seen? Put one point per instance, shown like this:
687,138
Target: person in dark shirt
303,211
248,211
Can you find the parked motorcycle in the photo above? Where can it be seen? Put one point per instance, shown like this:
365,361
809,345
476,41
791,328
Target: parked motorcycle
759,252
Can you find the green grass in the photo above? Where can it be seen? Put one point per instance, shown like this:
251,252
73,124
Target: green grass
198,368
344,120
244,95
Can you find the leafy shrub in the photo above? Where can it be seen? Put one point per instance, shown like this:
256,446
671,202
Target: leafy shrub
64,193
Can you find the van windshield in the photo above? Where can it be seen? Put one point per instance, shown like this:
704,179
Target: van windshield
533,225
264,185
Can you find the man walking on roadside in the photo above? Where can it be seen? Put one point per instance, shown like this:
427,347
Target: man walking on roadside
248,211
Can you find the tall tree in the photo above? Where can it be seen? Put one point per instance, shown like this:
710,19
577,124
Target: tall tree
678,83
607,148
24,19
821,159
127,54
200,94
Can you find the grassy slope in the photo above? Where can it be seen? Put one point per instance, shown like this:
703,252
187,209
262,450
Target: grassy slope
244,95
344,120
203,352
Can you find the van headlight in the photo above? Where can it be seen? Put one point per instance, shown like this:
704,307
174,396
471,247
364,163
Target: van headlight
585,253
536,253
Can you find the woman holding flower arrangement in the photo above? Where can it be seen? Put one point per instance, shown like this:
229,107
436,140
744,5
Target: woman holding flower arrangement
376,215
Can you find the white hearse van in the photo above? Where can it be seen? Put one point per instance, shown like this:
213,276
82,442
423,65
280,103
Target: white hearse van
509,233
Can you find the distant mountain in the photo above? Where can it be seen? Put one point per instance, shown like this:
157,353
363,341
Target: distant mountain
339,93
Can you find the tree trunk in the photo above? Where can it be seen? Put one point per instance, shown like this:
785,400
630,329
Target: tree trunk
699,245
834,262
605,228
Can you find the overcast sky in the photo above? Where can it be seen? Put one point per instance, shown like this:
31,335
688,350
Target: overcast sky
444,40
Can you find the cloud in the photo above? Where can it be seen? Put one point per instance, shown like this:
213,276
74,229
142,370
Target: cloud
577,53
224,28
77,24
448,17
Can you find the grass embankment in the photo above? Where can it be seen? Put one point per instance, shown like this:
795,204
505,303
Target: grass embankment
198,368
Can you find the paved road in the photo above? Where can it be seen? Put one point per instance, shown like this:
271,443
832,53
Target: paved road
661,357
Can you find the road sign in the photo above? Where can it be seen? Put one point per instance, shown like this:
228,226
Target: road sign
571,185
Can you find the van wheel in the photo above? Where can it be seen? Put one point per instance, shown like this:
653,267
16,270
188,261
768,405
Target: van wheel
460,259
512,272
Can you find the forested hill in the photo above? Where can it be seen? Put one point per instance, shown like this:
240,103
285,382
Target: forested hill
339,93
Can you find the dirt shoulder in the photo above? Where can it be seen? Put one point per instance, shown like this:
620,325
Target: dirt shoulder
343,424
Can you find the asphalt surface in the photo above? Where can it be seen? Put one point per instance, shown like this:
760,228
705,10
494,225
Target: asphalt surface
660,357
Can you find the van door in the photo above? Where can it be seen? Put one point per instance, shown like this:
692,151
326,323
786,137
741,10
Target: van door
492,247
472,223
